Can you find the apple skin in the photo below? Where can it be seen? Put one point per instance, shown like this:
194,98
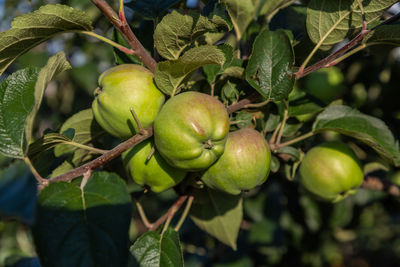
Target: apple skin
331,171
325,84
244,165
121,88
155,172
191,130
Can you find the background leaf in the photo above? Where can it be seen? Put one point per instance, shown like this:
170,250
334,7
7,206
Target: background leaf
18,192
270,65
170,74
151,8
84,227
157,250
368,129
330,21
218,214
27,31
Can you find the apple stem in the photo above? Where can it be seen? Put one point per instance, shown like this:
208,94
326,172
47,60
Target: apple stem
108,41
151,153
136,118
208,144
284,119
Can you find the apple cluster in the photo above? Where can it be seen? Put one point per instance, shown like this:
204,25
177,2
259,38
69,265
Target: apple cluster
191,134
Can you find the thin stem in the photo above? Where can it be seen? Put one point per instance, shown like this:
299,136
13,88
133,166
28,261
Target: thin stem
108,41
257,105
185,213
171,211
142,215
295,140
167,223
35,173
89,148
242,103
106,157
340,59
136,118
122,11
284,119
274,134
123,27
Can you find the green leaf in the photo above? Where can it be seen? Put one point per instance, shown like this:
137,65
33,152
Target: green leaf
177,31
270,7
86,131
212,71
29,30
241,12
330,21
84,226
17,100
386,34
243,119
367,129
170,74
21,95
305,105
269,70
157,250
218,214
55,65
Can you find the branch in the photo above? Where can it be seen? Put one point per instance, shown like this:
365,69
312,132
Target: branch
123,27
244,103
374,183
171,211
106,157
327,62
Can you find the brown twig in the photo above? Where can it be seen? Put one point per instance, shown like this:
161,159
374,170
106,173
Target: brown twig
377,184
242,103
123,27
106,157
171,211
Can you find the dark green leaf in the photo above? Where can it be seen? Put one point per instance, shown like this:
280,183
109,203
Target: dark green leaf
386,34
17,99
151,8
177,31
275,164
84,226
27,31
243,119
229,93
368,129
270,7
330,21
305,105
46,142
218,214
18,192
21,95
171,74
270,65
212,71
157,250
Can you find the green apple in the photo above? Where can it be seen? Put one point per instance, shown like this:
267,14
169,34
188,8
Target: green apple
156,173
244,165
191,129
325,84
331,171
121,88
